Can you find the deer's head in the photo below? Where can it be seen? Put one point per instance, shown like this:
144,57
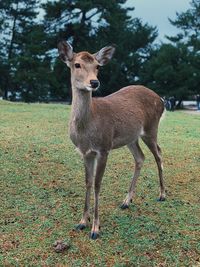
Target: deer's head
84,66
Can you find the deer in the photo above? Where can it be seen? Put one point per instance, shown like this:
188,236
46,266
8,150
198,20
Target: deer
99,124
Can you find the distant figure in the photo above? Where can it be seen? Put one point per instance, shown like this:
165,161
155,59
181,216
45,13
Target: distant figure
172,101
167,103
198,102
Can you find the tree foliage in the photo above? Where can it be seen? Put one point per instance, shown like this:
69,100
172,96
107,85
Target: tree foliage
189,24
29,63
17,17
173,69
90,25
170,71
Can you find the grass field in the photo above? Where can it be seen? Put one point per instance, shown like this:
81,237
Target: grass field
42,193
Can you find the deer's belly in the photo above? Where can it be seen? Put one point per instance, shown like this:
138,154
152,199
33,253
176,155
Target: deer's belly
121,141
124,137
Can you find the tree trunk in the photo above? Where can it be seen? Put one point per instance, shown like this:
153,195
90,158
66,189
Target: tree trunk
8,84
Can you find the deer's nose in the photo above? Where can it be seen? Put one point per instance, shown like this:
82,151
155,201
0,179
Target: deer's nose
94,83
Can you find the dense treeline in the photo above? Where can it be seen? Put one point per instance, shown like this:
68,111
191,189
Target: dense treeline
30,30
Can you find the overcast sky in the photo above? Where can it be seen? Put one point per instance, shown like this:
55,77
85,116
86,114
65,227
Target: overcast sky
157,12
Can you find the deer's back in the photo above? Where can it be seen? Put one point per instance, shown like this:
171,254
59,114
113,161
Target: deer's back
130,112
134,103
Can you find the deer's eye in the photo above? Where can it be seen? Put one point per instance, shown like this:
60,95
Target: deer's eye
77,66
97,67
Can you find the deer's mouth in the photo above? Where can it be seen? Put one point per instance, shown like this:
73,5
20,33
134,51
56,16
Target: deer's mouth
89,88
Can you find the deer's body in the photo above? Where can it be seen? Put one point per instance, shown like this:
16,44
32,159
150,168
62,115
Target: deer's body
113,121
98,125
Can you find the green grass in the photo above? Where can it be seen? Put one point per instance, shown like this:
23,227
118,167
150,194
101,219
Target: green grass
42,193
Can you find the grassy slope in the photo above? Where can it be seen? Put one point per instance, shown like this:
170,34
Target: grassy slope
42,192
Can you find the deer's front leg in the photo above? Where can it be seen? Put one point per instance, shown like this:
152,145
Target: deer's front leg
100,168
89,163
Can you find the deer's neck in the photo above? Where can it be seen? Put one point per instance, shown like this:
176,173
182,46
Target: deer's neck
81,107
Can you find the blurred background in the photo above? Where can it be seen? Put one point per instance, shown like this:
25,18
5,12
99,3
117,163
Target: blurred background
168,63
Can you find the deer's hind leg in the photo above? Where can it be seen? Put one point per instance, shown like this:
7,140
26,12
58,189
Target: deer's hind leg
139,159
156,151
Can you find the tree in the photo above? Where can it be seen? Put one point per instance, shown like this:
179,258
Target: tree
23,60
169,71
173,69
189,24
90,25
33,73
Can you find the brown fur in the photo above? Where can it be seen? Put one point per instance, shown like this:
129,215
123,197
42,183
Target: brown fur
85,56
124,114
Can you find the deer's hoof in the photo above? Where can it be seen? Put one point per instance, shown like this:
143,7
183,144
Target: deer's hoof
161,199
124,206
94,235
80,227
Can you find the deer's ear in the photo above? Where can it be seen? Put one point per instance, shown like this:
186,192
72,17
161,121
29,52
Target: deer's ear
104,55
65,52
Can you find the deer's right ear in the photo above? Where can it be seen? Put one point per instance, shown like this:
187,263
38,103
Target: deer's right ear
65,52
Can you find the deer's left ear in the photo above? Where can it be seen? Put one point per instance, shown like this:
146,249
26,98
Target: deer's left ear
104,55
65,52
